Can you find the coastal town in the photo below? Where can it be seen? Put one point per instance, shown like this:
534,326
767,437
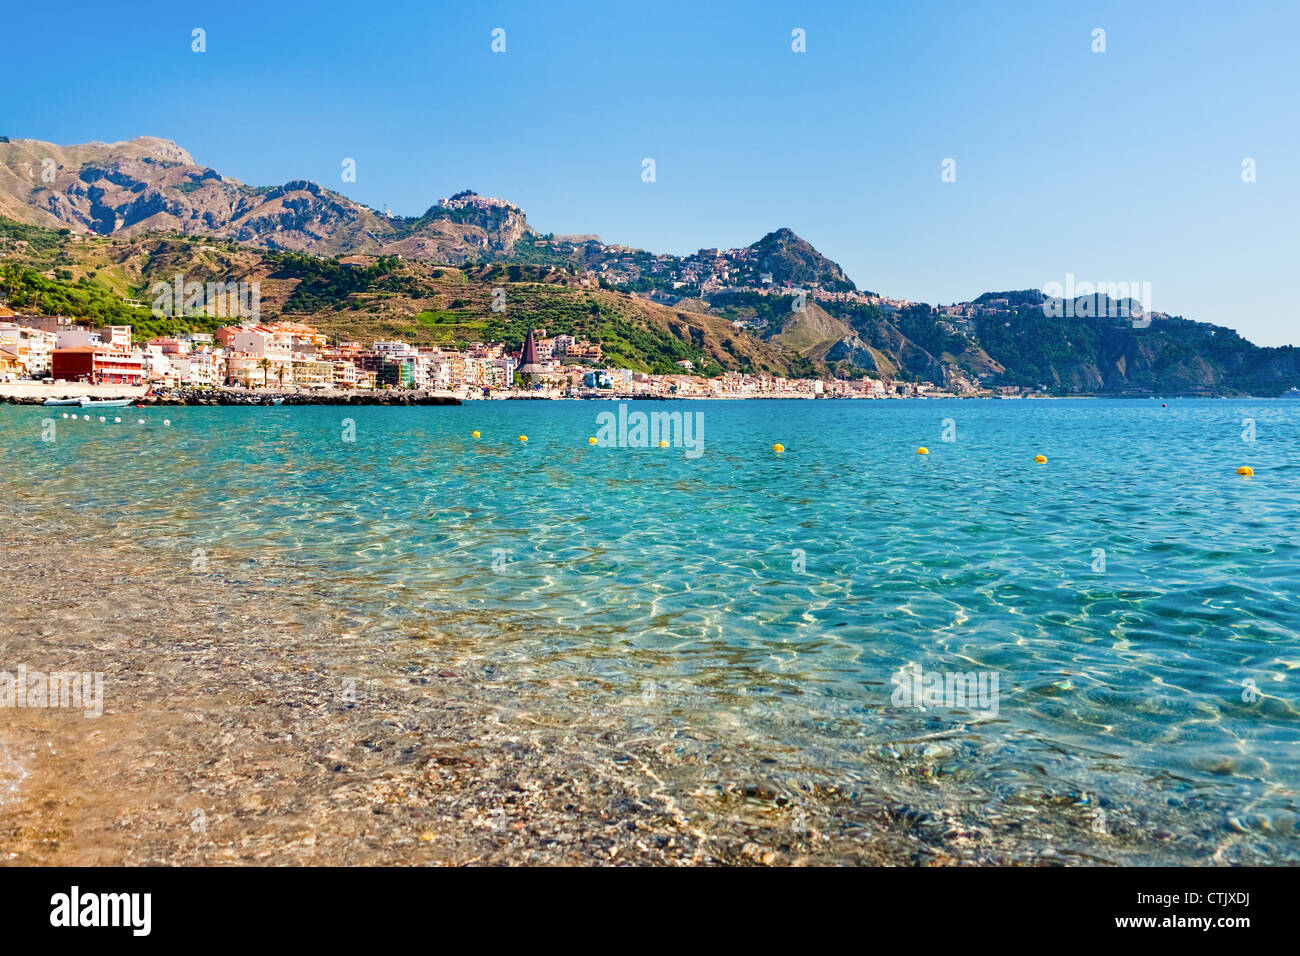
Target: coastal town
287,356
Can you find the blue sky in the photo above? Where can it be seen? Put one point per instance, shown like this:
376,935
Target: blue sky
1114,166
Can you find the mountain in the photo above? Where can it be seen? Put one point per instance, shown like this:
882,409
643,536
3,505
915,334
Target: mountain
153,185
1109,354
85,228
784,257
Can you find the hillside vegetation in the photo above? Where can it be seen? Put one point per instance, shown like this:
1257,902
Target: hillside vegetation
1007,340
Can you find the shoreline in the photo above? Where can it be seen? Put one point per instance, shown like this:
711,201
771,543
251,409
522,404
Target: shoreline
35,393
39,393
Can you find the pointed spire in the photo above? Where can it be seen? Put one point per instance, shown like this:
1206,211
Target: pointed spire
529,354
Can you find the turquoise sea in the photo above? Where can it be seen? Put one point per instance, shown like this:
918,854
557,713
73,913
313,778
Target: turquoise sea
1135,599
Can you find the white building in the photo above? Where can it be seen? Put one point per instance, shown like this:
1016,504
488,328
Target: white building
32,346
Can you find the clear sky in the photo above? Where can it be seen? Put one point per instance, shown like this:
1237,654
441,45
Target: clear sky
1117,166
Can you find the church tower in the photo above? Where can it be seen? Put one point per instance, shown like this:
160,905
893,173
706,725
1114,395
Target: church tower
529,366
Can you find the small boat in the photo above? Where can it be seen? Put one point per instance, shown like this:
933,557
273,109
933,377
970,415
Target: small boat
107,403
64,401
277,401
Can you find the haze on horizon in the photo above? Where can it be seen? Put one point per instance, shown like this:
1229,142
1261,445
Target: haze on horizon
1123,165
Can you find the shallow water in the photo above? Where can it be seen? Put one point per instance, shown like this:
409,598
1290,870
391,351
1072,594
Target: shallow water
740,616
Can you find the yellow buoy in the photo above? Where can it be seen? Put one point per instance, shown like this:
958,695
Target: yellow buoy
663,444
591,441
778,448
523,438
476,434
1245,471
923,450
1040,459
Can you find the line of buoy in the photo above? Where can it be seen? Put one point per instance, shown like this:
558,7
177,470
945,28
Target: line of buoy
1245,470
116,421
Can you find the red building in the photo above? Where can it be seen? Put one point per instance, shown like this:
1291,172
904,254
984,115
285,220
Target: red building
97,366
